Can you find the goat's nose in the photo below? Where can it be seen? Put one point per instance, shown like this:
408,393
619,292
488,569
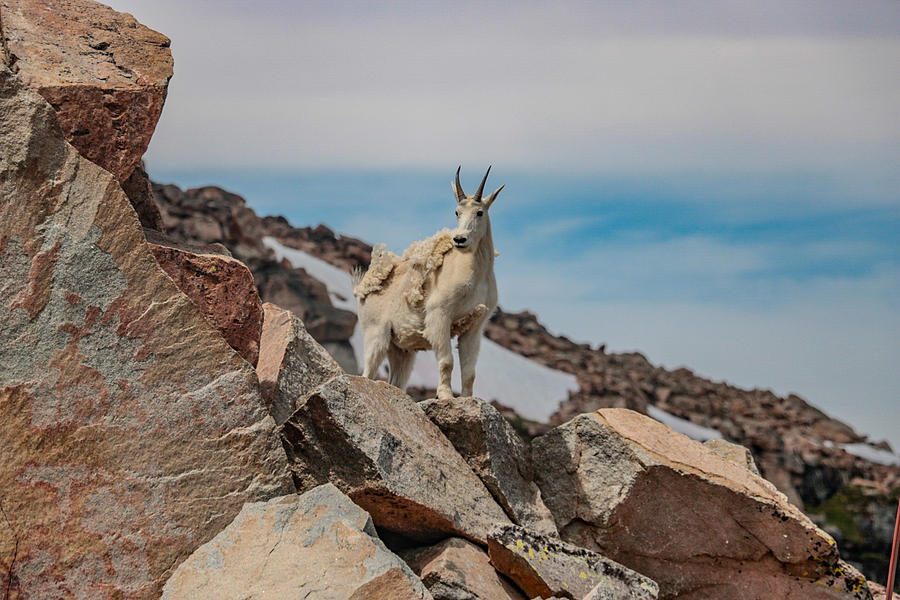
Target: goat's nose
460,239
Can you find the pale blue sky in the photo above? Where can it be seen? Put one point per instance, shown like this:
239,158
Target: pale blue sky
713,184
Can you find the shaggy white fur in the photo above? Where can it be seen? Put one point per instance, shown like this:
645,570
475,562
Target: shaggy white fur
423,258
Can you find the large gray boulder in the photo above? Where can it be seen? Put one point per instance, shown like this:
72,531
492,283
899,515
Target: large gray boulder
701,525
496,453
373,442
315,546
131,431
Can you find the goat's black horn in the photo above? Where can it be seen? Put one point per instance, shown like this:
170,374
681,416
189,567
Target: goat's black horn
481,187
460,194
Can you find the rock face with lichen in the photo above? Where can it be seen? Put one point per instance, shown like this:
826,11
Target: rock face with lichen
543,566
132,432
316,545
700,525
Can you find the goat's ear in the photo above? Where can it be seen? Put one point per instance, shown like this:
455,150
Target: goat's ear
490,199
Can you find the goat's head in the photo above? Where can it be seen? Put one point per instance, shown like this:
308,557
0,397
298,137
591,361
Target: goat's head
472,220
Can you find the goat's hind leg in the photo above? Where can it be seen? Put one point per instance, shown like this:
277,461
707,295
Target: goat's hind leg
377,341
401,362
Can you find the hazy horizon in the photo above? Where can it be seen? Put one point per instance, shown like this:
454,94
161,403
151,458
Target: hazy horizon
715,187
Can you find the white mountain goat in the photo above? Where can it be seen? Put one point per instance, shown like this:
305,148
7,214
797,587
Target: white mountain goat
440,288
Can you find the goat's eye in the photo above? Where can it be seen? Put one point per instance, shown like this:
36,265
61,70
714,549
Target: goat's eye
457,213
480,213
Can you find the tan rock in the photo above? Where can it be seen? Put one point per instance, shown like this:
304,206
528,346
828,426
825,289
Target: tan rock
315,546
497,454
222,288
544,566
459,570
104,73
732,452
291,363
132,433
373,442
701,526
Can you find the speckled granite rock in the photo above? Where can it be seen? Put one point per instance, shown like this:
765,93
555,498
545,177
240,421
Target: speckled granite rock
132,433
544,566
702,526
496,453
373,442
315,546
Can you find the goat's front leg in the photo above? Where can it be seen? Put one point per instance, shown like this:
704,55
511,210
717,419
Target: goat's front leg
437,332
469,345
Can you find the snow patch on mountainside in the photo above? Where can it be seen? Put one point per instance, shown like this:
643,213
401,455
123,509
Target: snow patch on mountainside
870,453
692,430
532,389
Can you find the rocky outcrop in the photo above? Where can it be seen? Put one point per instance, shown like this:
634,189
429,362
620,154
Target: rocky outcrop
132,433
220,286
378,447
795,446
701,526
104,73
318,546
497,455
291,364
543,566
455,569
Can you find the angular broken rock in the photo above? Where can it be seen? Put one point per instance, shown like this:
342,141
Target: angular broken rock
702,526
739,455
459,570
291,363
132,433
318,545
497,455
222,288
373,442
544,566
104,73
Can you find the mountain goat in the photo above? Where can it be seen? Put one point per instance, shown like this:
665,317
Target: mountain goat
440,288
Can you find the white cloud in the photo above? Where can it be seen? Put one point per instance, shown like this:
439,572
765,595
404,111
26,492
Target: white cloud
531,88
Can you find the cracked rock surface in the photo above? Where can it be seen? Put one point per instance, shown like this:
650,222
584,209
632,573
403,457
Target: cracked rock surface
315,546
373,442
132,433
